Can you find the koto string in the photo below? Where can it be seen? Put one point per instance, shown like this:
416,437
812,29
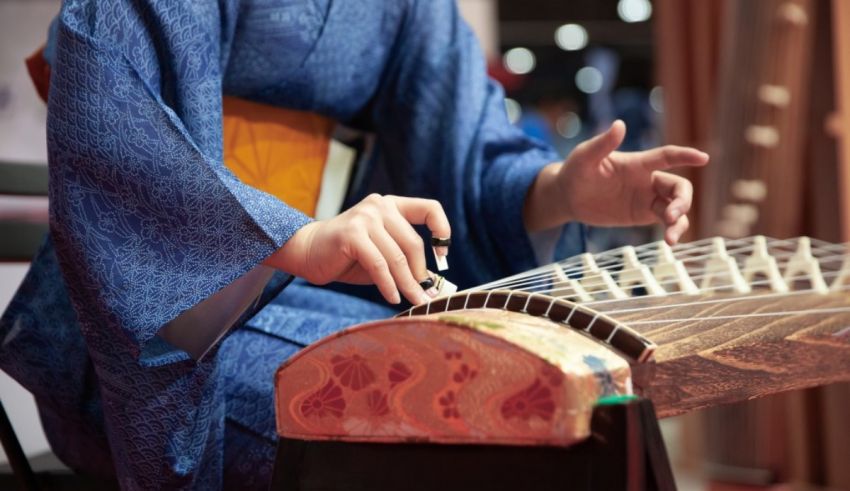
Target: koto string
826,274
532,283
548,273
543,280
715,300
834,310
575,264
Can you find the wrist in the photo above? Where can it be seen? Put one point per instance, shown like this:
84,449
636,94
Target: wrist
547,204
293,256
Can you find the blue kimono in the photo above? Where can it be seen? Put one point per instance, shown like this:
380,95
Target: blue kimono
146,221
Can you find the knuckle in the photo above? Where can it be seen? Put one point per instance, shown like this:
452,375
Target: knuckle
416,243
350,230
365,215
378,264
387,204
399,260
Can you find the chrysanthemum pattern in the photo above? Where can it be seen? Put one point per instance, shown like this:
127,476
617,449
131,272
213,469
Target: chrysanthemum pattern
377,402
352,371
398,373
534,401
327,401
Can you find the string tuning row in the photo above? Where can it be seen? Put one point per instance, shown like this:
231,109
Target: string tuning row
701,268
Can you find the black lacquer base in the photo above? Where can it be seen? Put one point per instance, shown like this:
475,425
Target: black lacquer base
624,452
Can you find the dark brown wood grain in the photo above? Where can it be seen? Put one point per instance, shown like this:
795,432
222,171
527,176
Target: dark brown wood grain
702,362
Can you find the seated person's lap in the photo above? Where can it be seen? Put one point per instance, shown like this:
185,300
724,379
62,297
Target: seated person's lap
249,357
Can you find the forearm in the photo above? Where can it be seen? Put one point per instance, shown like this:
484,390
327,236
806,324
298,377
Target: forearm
546,205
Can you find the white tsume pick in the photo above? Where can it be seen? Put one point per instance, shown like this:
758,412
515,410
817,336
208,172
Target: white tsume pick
442,262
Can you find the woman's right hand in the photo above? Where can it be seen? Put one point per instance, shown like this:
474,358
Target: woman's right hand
372,242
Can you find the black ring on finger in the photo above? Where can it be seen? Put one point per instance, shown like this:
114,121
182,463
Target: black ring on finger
441,241
427,283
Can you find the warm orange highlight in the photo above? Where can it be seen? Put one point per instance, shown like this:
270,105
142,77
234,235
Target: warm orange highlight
279,151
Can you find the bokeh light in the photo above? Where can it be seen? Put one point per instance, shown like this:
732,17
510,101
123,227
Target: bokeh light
569,125
589,80
634,10
656,99
519,61
571,37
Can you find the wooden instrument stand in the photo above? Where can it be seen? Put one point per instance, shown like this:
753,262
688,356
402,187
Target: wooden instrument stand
624,452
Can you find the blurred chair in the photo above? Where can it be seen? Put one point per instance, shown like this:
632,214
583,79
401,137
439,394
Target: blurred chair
23,210
23,224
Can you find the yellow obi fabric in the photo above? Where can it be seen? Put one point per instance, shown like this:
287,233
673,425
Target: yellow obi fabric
280,151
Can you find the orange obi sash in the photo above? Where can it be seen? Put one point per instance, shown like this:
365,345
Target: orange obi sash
280,151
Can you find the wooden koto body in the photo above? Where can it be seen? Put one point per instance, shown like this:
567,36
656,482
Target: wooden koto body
524,360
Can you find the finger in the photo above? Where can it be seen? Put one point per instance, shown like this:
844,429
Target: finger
408,240
675,231
668,157
399,267
659,207
429,212
373,262
600,146
677,190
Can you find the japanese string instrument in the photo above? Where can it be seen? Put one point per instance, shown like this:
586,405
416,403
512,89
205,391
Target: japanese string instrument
525,359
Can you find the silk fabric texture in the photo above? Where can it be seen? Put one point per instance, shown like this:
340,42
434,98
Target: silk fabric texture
146,221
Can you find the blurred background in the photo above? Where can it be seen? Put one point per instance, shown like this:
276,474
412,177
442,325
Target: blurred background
762,85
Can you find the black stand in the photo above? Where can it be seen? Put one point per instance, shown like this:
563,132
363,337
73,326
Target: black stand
624,452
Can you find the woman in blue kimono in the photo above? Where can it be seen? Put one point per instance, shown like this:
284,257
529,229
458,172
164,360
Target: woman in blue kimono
117,329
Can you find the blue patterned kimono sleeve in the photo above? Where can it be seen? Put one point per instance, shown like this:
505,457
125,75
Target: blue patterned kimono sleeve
442,126
147,222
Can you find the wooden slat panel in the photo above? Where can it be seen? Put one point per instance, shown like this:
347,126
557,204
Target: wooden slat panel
841,56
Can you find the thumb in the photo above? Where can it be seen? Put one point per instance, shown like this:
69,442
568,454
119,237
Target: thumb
601,145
